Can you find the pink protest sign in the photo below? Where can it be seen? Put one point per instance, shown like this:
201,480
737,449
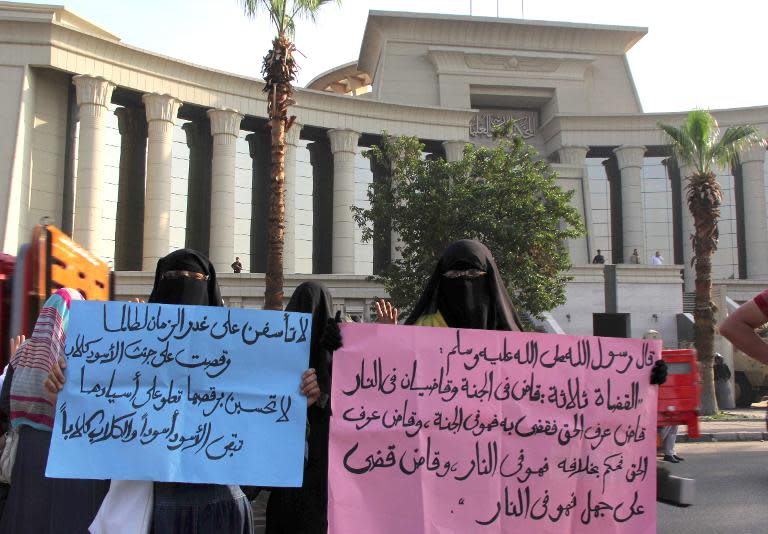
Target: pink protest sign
437,430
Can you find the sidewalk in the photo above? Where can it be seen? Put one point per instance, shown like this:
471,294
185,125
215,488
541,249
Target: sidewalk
741,424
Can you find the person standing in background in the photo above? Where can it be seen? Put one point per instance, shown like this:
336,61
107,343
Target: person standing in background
187,277
635,257
599,257
237,267
657,259
304,510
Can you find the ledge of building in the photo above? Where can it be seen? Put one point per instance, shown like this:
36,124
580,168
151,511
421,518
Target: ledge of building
139,283
629,274
649,274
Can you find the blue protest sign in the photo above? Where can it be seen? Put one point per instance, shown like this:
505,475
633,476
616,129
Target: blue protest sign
182,394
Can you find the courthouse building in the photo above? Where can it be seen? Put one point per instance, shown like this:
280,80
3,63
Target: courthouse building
138,154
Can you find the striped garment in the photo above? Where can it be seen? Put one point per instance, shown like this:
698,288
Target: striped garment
34,359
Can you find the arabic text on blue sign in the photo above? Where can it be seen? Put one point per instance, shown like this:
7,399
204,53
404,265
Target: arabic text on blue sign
183,394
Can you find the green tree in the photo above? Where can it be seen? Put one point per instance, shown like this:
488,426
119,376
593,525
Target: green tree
698,144
279,71
501,196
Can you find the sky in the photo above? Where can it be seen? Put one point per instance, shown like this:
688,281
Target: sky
697,53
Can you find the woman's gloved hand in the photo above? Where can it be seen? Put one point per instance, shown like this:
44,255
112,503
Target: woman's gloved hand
659,372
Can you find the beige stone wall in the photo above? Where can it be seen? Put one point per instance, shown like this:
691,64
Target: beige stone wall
608,88
304,209
17,123
48,146
654,298
585,295
407,76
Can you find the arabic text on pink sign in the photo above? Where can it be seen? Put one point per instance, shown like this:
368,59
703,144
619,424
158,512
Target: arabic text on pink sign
439,430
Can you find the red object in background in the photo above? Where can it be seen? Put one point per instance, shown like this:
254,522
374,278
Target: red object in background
7,264
679,395
51,260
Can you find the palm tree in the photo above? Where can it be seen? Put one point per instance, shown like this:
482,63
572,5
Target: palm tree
279,70
698,145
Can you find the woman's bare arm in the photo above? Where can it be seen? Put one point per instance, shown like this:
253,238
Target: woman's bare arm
739,329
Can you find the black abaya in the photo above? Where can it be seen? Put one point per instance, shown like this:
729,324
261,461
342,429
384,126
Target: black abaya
305,510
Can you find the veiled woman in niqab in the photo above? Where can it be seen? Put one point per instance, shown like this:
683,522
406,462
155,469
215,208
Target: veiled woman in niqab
466,291
188,277
305,510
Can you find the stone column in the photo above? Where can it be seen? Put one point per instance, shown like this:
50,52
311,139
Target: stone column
688,229
93,96
225,126
581,249
200,144
161,116
259,146
129,228
454,150
291,142
344,148
755,223
630,159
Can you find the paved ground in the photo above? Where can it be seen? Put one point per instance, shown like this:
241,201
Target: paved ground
744,424
731,490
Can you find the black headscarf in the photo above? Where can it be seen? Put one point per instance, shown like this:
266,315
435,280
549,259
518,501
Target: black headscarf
481,303
184,289
314,298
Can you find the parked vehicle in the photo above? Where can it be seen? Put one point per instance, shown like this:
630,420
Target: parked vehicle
750,379
50,260
679,395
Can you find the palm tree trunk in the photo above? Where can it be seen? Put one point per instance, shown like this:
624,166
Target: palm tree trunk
704,197
279,70
704,333
273,292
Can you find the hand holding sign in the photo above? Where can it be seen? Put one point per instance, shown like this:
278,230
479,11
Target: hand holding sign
56,379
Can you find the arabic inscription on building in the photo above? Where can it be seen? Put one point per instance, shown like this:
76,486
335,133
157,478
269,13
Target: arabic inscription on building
482,124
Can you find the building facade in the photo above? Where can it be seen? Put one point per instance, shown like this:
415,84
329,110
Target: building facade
138,154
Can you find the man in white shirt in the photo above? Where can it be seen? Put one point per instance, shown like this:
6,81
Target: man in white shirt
657,259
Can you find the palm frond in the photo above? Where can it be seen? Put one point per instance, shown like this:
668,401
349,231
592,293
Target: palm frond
683,147
276,9
250,7
309,8
698,143
734,140
283,13
703,129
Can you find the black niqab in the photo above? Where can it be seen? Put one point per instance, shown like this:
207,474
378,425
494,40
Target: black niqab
481,303
185,290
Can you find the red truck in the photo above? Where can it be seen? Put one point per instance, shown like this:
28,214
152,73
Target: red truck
51,260
679,395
